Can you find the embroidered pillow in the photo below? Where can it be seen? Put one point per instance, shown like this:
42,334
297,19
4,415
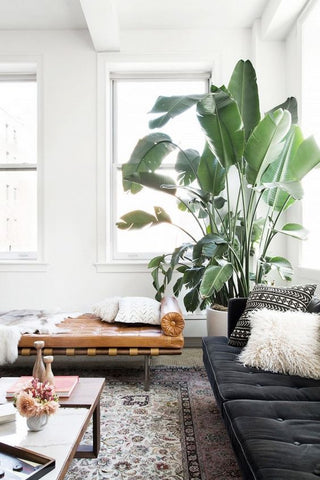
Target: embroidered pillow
284,342
107,309
278,299
138,310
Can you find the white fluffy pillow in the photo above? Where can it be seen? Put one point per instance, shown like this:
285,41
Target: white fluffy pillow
284,342
107,309
138,310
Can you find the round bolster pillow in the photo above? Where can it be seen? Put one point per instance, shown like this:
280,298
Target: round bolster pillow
172,324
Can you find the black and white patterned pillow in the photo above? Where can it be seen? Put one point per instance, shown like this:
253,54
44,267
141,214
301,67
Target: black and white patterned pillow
280,299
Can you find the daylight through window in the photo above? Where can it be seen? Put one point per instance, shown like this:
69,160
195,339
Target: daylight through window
132,98
18,166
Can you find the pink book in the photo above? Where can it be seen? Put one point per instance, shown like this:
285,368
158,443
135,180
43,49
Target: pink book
64,385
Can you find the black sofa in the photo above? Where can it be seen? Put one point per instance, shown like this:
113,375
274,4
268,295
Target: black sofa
273,420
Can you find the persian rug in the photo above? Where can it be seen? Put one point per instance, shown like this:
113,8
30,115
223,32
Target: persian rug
172,432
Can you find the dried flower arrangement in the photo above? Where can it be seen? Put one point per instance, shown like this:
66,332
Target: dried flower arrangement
36,398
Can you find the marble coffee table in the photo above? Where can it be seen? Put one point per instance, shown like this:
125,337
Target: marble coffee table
61,437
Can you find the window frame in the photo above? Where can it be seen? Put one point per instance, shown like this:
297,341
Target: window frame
295,215
27,68
139,66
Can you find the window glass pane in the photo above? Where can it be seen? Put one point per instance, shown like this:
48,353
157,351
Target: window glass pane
310,120
160,238
18,122
18,215
133,99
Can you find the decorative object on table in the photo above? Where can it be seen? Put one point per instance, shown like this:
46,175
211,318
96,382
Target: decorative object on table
39,368
237,190
36,400
30,465
48,376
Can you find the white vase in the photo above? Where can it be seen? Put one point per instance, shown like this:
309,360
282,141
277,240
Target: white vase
217,323
37,423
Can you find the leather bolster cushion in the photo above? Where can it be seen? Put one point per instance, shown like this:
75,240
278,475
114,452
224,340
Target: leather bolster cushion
172,324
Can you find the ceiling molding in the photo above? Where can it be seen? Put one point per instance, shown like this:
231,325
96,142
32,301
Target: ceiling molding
102,20
279,17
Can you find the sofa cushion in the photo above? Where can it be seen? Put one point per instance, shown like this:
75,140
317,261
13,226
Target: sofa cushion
273,298
230,379
284,342
275,439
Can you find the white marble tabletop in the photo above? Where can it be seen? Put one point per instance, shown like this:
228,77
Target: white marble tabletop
56,440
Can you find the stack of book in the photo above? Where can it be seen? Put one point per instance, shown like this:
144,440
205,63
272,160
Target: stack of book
64,385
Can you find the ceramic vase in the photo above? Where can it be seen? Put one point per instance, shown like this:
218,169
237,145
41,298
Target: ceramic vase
38,422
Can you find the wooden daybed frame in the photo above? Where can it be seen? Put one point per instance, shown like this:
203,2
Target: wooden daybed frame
88,335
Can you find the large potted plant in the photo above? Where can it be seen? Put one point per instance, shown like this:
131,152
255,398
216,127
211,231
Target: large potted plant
237,190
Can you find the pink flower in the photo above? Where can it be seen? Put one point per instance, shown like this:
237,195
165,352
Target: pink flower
36,398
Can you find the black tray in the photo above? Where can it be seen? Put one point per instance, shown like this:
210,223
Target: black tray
18,463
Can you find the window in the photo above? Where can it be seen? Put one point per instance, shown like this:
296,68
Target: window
310,120
133,96
18,166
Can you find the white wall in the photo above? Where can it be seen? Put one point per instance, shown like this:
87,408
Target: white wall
70,280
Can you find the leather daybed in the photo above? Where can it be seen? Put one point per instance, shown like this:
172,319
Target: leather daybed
88,335
273,420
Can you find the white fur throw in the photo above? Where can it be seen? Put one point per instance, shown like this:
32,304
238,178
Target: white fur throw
284,342
17,322
107,309
138,310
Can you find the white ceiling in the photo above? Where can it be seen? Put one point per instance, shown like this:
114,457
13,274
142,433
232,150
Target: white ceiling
132,14
106,19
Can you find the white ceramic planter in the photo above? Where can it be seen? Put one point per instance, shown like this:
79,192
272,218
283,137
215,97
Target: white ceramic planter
217,323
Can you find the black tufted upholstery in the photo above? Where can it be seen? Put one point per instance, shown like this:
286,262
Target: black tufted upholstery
273,420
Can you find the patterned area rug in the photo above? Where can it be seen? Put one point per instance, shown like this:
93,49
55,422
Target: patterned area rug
172,432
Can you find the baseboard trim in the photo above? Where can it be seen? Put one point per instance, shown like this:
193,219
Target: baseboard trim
192,342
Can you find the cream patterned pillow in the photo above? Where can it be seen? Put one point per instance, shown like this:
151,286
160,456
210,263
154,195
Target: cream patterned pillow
107,309
284,342
138,310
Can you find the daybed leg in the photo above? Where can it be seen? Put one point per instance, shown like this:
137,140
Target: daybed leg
147,361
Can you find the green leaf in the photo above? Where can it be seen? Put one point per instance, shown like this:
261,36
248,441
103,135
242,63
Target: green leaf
156,181
171,106
294,230
187,165
291,105
243,87
139,219
191,300
215,278
221,122
161,215
297,158
283,266
211,174
147,156
156,261
135,220
265,144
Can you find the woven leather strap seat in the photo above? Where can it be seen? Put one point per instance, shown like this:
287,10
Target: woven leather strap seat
88,335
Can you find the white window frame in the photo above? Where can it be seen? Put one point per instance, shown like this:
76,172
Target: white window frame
28,67
302,273
106,64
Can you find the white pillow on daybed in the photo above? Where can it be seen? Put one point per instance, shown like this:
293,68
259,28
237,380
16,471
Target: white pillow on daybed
138,310
107,309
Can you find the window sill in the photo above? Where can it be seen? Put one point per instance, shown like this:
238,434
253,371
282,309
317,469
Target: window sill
123,267
309,273
22,266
